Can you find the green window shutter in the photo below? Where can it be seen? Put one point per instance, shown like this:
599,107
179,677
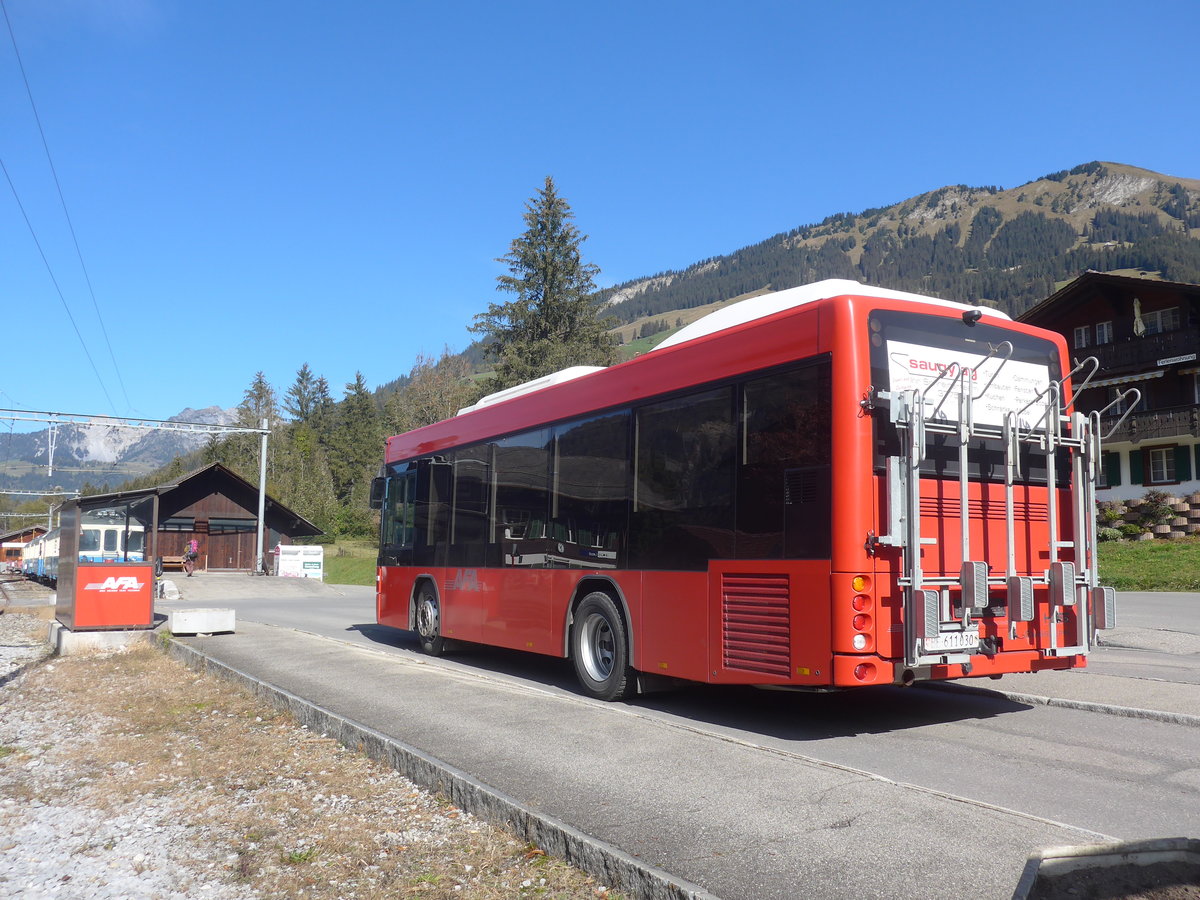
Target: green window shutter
1112,469
1136,467
1183,464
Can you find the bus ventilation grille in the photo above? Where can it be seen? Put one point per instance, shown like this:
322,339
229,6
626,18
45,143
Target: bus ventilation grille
801,486
951,507
756,623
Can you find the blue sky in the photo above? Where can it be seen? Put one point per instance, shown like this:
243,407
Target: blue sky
258,184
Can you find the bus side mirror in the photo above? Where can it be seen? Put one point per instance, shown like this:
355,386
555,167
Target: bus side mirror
377,485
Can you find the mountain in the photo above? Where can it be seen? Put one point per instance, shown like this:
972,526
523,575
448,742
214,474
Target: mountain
100,453
1005,248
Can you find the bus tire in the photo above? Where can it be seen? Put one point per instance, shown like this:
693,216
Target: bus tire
428,621
600,650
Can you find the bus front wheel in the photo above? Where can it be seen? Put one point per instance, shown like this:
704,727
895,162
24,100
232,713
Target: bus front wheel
599,648
429,622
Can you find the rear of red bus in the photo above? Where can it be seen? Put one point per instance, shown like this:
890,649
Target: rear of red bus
964,497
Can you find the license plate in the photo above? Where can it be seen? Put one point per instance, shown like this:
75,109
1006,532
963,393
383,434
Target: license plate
951,640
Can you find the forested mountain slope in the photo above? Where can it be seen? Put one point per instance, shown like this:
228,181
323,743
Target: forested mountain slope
1006,248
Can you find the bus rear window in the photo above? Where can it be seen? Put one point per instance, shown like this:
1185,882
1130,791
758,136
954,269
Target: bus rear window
913,351
926,353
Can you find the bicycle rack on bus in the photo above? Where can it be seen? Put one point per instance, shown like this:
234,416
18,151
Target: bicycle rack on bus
932,634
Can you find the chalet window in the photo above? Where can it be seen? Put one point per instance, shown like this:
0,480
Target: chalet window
1103,333
1161,320
232,526
1083,336
1119,408
178,523
1162,465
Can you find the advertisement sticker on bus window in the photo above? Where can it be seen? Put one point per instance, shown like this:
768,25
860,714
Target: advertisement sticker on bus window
1016,384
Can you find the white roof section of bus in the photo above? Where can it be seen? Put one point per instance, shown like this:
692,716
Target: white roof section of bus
530,386
778,301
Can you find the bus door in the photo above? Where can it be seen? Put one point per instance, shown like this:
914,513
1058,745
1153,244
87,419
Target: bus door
397,519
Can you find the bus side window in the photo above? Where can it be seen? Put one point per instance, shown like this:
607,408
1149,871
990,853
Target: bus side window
431,542
590,489
469,523
783,478
683,503
521,491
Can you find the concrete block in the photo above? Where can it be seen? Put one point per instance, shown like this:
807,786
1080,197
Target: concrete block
72,643
200,621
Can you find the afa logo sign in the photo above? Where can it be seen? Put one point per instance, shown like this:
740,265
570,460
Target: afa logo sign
113,584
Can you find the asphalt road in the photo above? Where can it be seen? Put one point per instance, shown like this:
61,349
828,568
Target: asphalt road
746,793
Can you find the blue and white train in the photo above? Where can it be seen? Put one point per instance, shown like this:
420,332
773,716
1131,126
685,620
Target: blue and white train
97,543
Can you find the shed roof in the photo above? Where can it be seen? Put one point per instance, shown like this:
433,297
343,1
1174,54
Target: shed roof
17,532
214,478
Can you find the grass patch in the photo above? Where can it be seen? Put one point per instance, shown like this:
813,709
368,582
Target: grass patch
1151,565
351,562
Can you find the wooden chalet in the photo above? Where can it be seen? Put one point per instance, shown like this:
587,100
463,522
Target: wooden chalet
1146,335
12,542
219,509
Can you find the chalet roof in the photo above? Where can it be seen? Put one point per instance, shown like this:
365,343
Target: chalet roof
215,478
1091,282
17,532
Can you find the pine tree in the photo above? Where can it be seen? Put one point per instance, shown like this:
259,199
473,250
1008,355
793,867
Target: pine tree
301,396
357,439
553,322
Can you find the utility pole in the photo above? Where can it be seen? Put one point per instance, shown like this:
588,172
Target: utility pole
262,496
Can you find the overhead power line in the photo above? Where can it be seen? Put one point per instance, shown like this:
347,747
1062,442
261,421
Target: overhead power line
70,224
54,281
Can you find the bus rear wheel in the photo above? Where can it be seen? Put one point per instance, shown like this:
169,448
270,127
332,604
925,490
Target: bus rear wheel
600,650
429,622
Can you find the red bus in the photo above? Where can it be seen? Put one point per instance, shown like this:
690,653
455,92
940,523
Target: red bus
774,496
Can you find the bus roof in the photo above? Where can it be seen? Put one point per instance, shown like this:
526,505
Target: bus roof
529,387
778,301
575,391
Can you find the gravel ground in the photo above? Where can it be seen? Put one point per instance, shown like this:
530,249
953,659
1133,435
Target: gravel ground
126,775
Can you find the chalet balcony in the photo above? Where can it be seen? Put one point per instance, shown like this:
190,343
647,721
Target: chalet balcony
1143,352
1156,423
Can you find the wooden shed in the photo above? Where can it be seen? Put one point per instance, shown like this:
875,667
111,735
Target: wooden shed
219,509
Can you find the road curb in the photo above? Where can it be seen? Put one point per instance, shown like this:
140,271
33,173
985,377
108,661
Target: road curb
1129,712
1136,857
613,866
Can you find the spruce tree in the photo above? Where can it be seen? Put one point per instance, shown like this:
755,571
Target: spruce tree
554,321
301,396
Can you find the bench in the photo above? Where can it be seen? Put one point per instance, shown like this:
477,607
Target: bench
174,563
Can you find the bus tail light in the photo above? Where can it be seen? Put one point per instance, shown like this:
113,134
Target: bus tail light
865,671
859,642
